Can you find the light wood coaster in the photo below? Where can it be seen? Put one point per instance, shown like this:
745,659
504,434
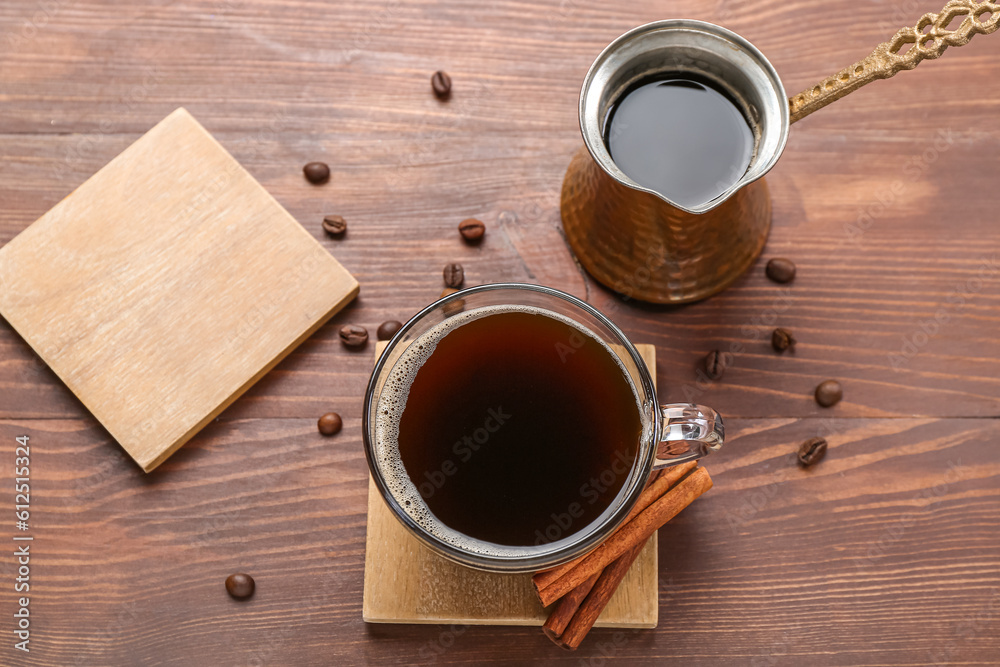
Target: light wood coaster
165,286
405,582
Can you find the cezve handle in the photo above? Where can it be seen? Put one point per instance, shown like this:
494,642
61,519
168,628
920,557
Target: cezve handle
969,18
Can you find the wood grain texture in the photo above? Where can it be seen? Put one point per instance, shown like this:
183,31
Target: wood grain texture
165,286
405,582
850,563
884,553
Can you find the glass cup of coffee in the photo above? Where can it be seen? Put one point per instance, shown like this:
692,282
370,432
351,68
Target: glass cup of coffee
511,427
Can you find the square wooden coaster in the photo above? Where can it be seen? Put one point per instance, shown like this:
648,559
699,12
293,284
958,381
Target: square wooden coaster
405,582
165,286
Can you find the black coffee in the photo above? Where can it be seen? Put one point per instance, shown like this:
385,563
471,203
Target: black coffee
518,429
681,137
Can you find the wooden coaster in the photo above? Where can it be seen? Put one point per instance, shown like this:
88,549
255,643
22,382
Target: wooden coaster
165,286
405,582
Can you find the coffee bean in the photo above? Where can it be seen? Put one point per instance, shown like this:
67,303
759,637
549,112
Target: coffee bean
715,364
782,339
240,586
472,230
334,225
829,393
388,329
811,451
454,275
330,423
454,307
352,335
780,270
441,83
316,173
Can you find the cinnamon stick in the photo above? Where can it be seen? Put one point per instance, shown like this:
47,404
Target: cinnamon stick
597,599
566,609
656,488
631,534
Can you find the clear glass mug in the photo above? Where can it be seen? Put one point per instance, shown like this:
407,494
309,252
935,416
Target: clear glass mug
671,434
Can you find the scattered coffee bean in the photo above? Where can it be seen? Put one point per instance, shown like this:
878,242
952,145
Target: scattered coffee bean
441,83
780,270
472,230
829,393
330,423
715,364
352,335
453,308
316,173
811,451
387,330
334,225
782,339
240,586
454,275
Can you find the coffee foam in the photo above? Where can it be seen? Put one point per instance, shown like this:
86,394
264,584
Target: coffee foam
392,402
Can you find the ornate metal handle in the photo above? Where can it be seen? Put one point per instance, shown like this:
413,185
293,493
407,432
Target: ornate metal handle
892,56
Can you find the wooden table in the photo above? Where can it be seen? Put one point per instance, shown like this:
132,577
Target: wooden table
886,553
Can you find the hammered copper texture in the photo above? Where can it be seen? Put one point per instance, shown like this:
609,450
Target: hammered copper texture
644,248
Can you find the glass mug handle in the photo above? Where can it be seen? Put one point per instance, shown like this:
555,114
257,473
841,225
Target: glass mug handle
687,432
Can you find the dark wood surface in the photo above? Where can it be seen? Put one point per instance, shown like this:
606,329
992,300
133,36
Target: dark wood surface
886,553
